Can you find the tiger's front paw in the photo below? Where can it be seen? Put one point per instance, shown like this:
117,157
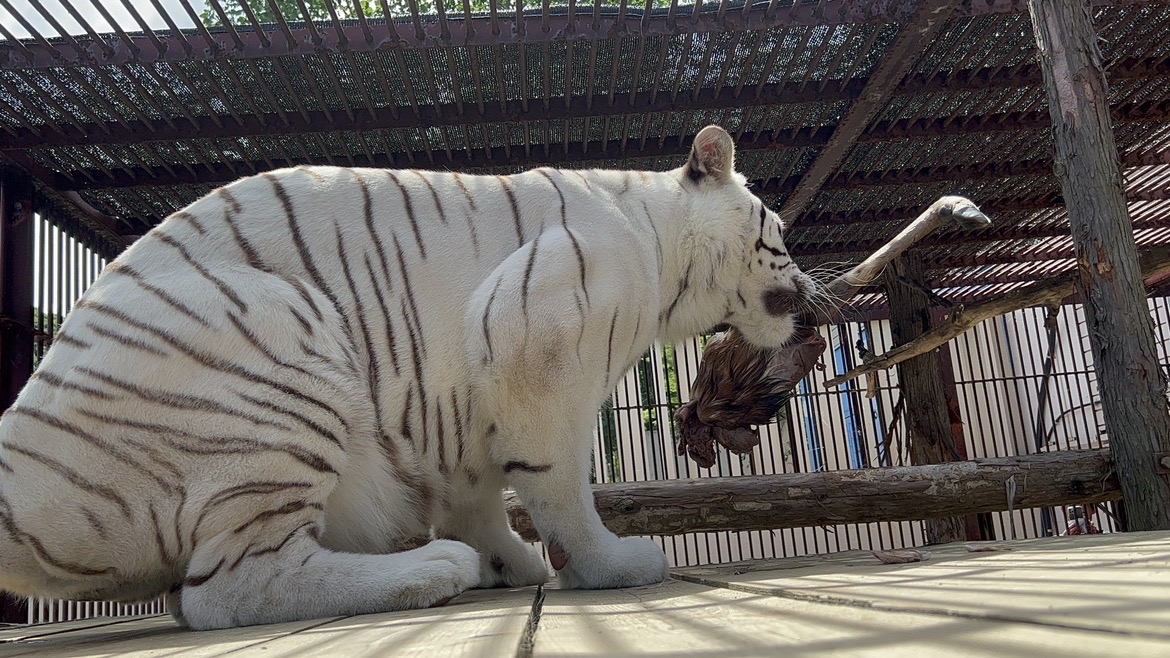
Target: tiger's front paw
624,562
523,566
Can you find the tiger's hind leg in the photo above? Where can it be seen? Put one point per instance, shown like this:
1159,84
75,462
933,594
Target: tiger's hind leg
477,517
301,580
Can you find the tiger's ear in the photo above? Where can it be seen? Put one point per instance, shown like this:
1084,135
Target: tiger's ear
713,154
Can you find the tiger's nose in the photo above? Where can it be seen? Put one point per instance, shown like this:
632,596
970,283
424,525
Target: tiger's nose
782,301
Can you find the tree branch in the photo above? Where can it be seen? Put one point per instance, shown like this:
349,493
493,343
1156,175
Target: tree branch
794,500
1155,265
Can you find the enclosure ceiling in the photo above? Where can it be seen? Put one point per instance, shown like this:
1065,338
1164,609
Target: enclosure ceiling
850,115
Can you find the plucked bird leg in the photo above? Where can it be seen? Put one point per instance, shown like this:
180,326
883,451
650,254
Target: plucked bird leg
738,385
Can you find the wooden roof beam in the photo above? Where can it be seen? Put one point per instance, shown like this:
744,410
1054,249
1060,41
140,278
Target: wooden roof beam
929,20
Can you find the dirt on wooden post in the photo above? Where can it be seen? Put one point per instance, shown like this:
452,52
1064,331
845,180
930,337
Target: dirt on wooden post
1130,381
921,384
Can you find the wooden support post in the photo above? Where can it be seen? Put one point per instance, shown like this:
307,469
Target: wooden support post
867,495
1130,381
16,317
921,384
16,293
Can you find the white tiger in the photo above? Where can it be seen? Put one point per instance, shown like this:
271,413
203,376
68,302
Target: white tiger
268,405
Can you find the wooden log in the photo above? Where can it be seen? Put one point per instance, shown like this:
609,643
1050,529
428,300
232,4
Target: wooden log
1155,266
904,493
1130,380
920,381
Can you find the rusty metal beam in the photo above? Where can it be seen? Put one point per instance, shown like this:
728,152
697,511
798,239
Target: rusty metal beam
775,94
576,154
929,20
61,193
425,116
504,28
16,295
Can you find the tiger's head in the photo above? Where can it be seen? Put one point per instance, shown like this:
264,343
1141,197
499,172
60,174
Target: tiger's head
740,242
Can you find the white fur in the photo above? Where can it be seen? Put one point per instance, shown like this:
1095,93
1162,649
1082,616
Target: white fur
235,413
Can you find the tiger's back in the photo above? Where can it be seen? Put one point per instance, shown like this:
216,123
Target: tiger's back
321,366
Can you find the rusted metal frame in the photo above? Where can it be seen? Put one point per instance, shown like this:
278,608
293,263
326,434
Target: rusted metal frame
176,33
214,46
767,140
817,56
705,65
384,85
130,155
835,63
227,24
99,97
569,52
335,80
342,37
407,148
523,61
150,98
15,42
243,92
257,30
929,20
913,49
753,52
473,58
50,100
453,73
636,81
660,69
314,35
184,111
494,157
546,83
1118,27
46,123
173,157
307,75
178,70
96,219
777,93
501,84
286,82
213,145
55,55
300,61
349,57
429,76
63,33
688,45
1147,157
369,153
17,198
13,129
327,154
800,14
84,104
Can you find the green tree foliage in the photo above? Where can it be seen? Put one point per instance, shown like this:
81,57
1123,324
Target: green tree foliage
291,11
45,326
400,9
